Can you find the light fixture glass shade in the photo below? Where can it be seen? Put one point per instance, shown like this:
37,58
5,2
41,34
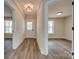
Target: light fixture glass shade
59,13
28,7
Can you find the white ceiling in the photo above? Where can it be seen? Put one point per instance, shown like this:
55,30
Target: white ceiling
64,6
23,2
55,6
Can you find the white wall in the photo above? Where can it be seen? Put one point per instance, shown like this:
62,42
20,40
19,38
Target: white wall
7,11
32,19
7,35
18,21
68,28
62,28
58,28
42,28
19,30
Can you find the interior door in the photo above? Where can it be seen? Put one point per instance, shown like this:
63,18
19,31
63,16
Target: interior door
30,28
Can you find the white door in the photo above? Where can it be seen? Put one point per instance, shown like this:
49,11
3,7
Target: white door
30,28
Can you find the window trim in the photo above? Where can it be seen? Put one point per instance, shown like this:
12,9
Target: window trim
8,26
52,26
28,25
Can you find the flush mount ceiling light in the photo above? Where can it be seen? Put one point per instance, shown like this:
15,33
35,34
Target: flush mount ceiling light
59,13
28,7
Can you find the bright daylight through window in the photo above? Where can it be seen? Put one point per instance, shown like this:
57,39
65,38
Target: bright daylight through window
29,25
8,26
50,27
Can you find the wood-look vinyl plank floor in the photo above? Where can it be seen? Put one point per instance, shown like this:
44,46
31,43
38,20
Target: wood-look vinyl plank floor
58,49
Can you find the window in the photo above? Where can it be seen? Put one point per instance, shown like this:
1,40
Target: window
50,27
29,25
8,26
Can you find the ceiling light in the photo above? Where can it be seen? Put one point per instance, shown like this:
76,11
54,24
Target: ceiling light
28,7
59,13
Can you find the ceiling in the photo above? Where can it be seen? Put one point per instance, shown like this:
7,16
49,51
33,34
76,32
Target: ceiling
64,6
54,6
35,4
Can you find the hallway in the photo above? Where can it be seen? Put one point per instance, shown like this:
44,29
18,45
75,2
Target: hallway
58,49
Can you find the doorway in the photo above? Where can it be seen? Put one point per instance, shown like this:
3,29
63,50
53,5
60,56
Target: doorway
8,30
30,27
60,24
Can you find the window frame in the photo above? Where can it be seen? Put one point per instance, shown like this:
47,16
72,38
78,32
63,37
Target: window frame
52,26
8,27
29,23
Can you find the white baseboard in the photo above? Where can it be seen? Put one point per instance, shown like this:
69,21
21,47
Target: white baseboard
44,52
55,37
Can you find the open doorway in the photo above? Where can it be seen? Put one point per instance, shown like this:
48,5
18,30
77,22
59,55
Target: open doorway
8,30
60,34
